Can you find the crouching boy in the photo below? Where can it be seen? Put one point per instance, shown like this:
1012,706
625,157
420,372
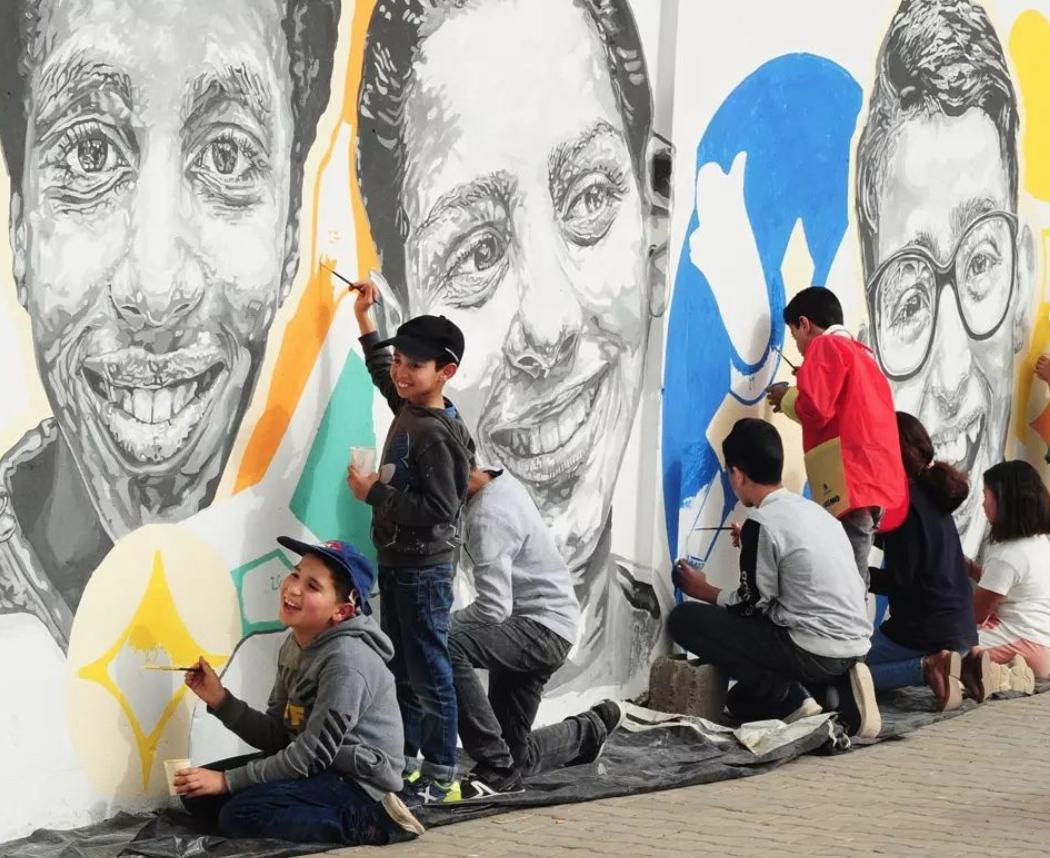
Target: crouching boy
331,737
797,625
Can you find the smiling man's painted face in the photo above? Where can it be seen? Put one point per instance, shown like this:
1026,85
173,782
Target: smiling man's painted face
152,236
946,178
526,227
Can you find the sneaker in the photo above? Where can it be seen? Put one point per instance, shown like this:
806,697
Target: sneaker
941,671
978,674
809,707
612,715
858,709
490,783
413,776
1016,676
426,790
397,820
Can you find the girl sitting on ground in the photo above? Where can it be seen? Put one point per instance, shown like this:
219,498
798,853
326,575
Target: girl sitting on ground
1012,599
931,621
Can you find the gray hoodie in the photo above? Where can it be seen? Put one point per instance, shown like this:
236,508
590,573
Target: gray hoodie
332,705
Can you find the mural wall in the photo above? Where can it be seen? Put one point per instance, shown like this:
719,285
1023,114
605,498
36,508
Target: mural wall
181,373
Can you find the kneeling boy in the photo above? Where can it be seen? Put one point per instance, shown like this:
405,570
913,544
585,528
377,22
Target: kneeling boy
798,620
520,628
331,736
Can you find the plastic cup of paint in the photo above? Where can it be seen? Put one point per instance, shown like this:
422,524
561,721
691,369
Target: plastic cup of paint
363,459
172,766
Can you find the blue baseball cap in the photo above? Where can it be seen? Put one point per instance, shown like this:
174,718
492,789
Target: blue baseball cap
344,556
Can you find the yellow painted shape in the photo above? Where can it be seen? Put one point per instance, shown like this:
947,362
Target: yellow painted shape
156,625
162,595
306,331
1030,51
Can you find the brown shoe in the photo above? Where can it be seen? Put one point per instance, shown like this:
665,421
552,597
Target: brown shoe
978,674
941,672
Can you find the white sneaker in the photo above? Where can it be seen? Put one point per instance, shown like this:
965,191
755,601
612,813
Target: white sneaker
1015,676
809,707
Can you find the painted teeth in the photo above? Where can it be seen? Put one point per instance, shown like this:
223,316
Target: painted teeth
148,405
548,436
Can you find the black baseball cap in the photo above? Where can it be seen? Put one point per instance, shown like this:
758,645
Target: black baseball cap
428,337
345,557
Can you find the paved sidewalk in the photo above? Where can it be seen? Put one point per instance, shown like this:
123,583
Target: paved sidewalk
975,785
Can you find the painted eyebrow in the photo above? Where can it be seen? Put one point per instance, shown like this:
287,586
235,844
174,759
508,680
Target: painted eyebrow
238,84
499,186
78,82
964,213
569,151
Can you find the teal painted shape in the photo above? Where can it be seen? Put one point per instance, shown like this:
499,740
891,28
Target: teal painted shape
322,500
249,626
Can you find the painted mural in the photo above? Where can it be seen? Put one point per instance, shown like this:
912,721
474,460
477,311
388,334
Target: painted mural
181,373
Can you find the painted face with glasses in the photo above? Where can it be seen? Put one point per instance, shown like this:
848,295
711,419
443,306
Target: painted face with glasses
947,300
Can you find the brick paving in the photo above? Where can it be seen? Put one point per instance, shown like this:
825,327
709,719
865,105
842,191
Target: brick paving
974,785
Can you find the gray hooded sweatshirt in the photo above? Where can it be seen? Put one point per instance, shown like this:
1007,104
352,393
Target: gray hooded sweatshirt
333,705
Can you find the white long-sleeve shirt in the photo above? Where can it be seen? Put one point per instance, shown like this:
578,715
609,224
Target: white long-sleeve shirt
797,568
518,569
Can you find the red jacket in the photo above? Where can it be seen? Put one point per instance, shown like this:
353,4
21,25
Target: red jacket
849,429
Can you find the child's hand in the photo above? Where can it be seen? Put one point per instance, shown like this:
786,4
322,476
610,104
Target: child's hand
1042,368
367,297
197,781
775,395
690,580
360,483
734,533
204,682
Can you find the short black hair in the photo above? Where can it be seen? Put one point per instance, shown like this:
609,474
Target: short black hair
754,447
311,28
818,304
939,57
1021,500
395,32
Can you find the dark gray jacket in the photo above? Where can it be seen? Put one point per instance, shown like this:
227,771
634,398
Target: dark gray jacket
417,503
333,705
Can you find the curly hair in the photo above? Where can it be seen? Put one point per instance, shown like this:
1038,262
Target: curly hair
395,32
1021,500
938,57
310,26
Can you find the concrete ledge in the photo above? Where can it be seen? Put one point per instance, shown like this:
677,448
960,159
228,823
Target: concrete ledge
685,686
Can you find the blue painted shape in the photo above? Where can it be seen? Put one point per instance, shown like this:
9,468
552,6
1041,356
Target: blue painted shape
322,500
794,116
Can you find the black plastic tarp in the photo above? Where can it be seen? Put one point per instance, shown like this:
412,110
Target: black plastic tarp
634,762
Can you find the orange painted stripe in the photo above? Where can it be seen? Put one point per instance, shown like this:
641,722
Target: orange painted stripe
305,333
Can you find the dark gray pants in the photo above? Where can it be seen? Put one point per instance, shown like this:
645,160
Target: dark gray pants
773,674
496,729
860,525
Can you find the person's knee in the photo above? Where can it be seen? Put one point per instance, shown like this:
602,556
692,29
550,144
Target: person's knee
241,817
685,623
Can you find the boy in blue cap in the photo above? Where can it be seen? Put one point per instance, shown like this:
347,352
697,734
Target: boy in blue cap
417,498
331,737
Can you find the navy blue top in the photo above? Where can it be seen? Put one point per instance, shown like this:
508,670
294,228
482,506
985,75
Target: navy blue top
925,578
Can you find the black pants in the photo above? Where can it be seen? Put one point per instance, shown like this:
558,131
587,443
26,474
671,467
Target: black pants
772,673
496,729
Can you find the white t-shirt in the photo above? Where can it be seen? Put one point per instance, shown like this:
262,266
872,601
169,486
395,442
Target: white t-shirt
1019,570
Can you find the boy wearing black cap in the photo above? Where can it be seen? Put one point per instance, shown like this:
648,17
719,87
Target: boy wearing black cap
417,498
331,735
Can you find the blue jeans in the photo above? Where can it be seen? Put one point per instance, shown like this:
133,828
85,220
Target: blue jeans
414,613
325,808
893,665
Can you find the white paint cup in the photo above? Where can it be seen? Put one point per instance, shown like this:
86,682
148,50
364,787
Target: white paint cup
363,458
170,767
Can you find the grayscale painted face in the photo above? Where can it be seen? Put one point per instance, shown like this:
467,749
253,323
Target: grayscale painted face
152,236
943,175
527,228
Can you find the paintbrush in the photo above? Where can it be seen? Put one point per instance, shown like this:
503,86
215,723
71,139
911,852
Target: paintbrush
725,527
349,283
787,360
166,667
